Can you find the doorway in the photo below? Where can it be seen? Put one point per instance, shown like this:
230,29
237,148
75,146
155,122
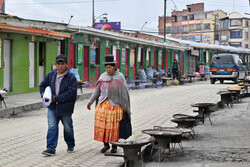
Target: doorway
86,63
97,60
41,60
7,65
118,59
32,65
71,55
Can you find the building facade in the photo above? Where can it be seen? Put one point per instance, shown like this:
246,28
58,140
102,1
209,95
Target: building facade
193,24
234,30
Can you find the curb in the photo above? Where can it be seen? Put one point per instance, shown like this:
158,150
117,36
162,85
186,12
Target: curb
8,112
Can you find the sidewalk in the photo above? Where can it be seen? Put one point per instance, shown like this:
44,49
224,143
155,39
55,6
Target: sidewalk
31,101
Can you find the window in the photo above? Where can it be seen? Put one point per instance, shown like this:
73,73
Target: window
199,16
224,24
216,16
236,22
223,59
175,18
191,17
192,38
198,27
174,29
236,34
168,30
207,16
198,38
179,18
184,18
247,24
223,37
185,38
191,28
206,26
178,29
246,46
246,35
185,29
206,37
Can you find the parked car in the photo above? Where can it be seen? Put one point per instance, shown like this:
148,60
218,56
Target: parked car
226,66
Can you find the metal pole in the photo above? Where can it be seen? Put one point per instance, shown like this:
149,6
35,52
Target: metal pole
215,31
93,13
165,5
143,25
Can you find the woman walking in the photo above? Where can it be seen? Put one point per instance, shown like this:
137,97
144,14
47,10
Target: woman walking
112,106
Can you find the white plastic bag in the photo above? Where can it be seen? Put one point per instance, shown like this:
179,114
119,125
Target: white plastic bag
47,96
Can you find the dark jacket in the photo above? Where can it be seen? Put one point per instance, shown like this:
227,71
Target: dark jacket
65,100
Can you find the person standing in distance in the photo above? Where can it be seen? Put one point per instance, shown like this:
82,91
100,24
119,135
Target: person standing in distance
175,69
63,86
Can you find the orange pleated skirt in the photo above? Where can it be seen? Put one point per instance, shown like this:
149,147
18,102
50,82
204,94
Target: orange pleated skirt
107,120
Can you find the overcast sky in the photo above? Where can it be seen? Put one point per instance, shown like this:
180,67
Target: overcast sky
132,13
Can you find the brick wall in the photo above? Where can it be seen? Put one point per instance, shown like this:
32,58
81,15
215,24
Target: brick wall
198,7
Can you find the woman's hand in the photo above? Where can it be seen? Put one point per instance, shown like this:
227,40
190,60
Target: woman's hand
89,106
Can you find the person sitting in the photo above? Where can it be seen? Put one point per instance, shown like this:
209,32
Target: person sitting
169,74
150,72
142,75
206,70
162,72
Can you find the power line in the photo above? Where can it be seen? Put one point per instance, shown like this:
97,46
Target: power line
32,14
57,3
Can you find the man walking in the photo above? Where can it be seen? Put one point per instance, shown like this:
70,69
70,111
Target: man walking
63,86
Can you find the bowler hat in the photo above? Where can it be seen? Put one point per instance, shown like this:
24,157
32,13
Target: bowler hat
109,59
61,58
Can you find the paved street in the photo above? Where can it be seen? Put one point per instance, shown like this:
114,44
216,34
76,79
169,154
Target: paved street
22,138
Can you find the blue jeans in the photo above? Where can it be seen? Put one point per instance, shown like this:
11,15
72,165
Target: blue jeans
52,134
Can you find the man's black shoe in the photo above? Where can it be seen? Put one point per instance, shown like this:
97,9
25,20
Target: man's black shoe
49,152
70,149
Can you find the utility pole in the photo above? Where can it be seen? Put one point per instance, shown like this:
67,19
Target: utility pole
93,13
215,28
165,6
201,27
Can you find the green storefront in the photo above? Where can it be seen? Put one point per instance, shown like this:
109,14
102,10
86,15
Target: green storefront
26,59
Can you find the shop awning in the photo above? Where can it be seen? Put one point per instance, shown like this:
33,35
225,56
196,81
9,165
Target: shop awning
33,31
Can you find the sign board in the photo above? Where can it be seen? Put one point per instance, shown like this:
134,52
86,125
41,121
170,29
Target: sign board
139,54
132,57
195,52
159,57
79,53
108,26
92,55
123,56
114,52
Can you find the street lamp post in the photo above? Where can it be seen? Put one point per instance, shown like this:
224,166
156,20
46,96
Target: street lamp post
165,5
143,25
93,13
70,19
